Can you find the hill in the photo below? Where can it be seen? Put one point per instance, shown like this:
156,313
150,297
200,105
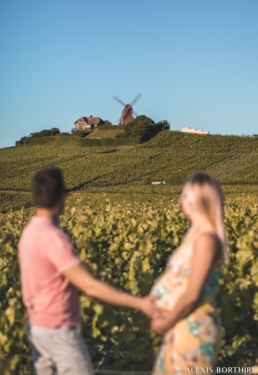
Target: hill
170,156
138,131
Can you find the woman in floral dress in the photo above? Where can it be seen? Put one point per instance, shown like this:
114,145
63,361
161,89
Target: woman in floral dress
187,291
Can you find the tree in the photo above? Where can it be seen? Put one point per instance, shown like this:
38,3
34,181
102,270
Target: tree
143,128
55,131
165,124
139,128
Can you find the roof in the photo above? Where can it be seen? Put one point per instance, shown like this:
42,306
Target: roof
82,119
93,120
90,120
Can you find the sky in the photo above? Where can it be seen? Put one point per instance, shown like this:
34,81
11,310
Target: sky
195,62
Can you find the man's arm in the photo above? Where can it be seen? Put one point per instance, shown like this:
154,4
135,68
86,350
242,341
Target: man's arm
204,252
82,279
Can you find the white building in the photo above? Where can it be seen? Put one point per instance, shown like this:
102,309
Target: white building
192,130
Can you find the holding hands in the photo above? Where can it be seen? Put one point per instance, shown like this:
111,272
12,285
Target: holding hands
147,306
160,320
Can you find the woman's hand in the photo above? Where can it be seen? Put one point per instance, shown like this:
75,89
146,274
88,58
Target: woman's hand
148,307
161,322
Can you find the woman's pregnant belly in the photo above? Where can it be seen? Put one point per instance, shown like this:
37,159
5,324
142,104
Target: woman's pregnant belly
168,290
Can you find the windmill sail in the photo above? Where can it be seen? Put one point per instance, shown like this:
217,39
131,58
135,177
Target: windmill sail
127,114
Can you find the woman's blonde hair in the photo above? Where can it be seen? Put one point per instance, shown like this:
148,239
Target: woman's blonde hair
209,200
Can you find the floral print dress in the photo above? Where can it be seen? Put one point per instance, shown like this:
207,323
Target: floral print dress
195,340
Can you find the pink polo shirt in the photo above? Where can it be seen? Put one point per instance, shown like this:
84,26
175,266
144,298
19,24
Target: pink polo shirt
44,252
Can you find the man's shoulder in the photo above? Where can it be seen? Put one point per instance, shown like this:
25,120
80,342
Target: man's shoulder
59,233
51,232
45,231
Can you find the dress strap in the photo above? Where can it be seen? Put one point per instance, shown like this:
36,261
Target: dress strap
211,231
193,236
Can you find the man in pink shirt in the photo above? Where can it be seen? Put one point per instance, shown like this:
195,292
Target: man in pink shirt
51,272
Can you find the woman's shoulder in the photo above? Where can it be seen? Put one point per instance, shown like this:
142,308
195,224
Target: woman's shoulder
207,234
208,238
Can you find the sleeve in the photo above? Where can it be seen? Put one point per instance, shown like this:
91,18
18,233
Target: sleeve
60,252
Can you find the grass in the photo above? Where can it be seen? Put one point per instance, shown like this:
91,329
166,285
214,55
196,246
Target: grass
110,133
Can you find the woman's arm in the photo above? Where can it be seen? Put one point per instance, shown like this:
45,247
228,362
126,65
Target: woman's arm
205,250
82,279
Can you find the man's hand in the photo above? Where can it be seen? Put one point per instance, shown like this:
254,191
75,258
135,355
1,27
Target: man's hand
82,279
148,307
161,322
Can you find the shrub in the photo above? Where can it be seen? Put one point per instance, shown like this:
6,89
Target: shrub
143,128
81,133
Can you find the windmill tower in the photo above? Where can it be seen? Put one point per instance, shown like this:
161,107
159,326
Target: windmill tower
127,114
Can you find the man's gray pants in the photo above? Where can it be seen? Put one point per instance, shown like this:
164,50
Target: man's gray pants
59,351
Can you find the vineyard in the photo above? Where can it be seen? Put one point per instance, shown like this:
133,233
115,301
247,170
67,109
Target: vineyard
97,196
170,156
127,244
124,229
10,201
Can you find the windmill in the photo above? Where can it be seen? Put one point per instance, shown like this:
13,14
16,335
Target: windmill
127,114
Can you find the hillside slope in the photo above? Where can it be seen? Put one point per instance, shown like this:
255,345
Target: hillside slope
109,133
170,156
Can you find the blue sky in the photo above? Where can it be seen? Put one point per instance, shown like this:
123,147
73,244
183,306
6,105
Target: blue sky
194,61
